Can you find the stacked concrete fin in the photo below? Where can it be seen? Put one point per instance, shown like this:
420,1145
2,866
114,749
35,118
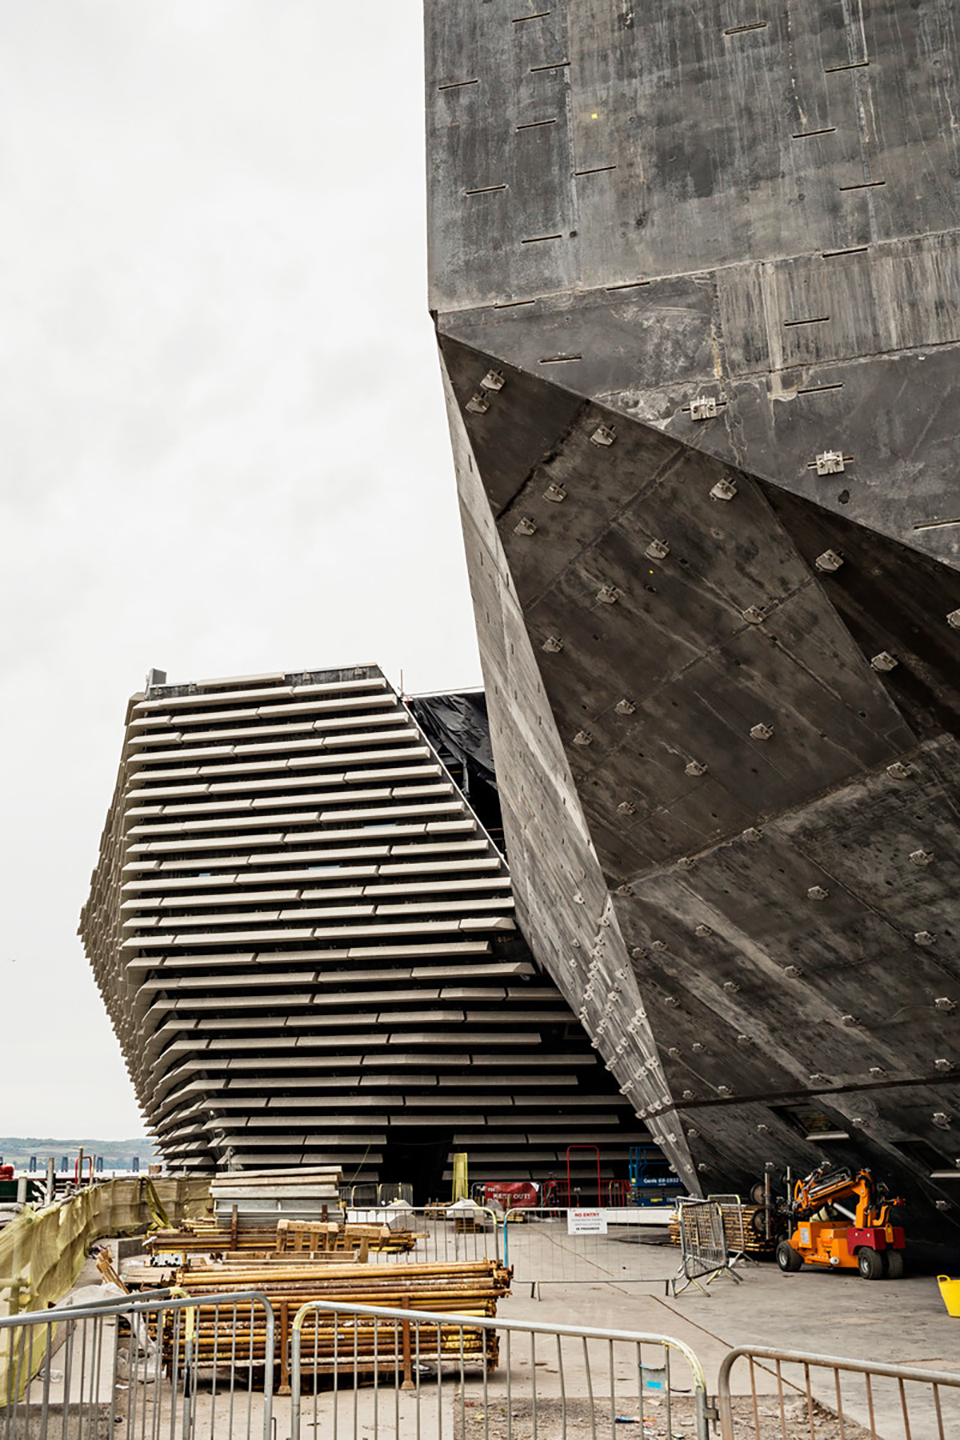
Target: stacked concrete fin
306,945
695,280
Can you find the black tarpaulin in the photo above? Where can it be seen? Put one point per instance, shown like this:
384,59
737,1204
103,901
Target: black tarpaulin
458,724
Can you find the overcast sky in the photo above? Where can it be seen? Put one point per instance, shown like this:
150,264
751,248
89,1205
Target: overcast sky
223,443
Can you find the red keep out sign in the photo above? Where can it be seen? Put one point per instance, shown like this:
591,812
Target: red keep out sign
512,1195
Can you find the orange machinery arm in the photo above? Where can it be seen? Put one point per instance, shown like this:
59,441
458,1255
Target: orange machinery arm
824,1187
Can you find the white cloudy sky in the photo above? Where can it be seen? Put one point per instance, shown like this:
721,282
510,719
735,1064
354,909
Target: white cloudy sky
223,446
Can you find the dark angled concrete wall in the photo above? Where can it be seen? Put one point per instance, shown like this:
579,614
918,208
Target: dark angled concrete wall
762,208
695,278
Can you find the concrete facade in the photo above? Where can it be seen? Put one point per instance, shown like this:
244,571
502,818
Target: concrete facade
693,278
306,945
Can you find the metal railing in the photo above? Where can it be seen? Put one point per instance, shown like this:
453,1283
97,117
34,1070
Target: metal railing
384,1373
733,1212
442,1234
173,1366
570,1247
181,1368
703,1245
825,1397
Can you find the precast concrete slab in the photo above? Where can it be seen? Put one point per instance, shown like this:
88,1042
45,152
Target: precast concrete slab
692,279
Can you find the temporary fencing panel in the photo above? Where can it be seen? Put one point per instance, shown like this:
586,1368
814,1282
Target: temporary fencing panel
167,1366
374,1234
185,1368
703,1244
824,1397
571,1246
42,1251
437,1234
735,1227
381,1373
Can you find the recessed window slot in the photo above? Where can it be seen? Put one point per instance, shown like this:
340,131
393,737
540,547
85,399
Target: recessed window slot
512,304
557,65
521,19
934,524
853,65
813,320
458,84
854,250
539,239
864,185
485,190
533,124
597,170
559,359
628,285
806,134
742,29
815,389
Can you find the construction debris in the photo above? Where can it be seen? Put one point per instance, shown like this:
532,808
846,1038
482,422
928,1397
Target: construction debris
290,1238
252,1197
465,1287
298,1237
238,1337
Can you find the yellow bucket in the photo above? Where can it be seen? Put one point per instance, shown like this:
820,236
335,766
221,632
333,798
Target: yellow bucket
950,1290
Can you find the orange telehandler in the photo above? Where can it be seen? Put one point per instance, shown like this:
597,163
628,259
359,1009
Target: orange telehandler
864,1239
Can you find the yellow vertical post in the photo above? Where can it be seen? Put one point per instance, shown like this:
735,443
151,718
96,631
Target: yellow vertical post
461,1188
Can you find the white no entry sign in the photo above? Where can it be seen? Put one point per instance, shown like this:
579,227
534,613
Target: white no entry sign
586,1222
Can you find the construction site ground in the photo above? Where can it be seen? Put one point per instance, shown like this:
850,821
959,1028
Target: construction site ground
832,1313
827,1312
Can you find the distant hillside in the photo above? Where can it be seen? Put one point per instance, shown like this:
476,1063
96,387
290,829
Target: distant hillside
117,1154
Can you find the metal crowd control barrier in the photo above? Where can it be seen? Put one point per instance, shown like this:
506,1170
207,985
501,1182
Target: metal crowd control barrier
572,1246
442,1234
703,1245
172,1366
798,1393
382,1374
735,1227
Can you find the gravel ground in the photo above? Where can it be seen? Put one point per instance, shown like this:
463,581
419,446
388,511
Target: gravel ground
584,1422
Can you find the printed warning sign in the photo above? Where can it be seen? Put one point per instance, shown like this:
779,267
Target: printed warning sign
586,1222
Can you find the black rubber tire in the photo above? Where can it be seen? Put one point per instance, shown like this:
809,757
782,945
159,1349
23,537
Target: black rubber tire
788,1259
870,1264
894,1264
758,1194
758,1224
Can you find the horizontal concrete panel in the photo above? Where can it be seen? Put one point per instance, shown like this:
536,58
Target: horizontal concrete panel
254,1024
